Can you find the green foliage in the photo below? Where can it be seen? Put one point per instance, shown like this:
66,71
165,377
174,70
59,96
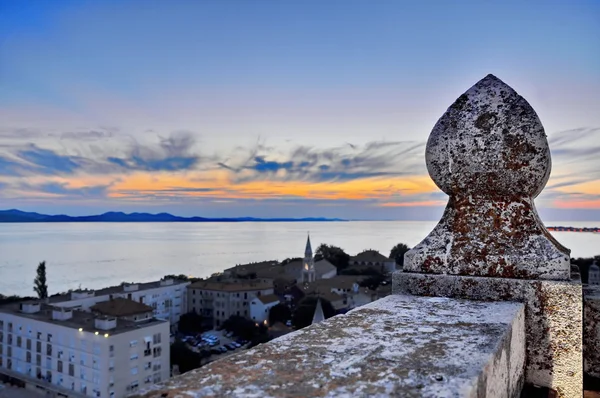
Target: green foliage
303,315
279,313
373,281
335,255
184,357
241,327
289,260
40,284
397,253
13,299
191,323
180,277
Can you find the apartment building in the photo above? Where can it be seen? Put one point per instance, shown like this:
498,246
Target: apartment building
72,353
219,299
166,297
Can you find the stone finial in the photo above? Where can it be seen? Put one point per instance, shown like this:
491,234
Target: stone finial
490,154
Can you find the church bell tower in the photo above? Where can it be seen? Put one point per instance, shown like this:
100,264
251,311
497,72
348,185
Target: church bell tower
308,268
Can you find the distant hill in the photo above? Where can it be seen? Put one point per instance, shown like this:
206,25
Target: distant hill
18,216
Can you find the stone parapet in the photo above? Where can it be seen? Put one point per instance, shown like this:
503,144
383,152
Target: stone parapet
399,346
553,320
591,330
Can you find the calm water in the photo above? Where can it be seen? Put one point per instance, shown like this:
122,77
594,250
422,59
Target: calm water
96,255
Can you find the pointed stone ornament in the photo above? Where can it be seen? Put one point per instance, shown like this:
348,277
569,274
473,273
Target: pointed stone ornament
319,316
490,155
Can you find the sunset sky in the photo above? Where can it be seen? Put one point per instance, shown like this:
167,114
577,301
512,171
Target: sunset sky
279,108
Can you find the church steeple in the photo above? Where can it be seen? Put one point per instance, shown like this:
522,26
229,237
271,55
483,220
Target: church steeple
308,268
308,251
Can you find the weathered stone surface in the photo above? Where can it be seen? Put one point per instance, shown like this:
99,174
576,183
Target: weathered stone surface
399,346
553,320
489,153
591,330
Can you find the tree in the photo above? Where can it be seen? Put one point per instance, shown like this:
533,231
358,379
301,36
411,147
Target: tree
180,277
335,255
241,327
191,323
373,281
397,253
303,315
279,313
40,285
184,357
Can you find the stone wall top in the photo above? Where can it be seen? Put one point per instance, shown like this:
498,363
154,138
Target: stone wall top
398,346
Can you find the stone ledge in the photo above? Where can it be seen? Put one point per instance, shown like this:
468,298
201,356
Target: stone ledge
553,320
591,330
399,346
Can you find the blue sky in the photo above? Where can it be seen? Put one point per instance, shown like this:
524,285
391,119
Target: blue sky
283,108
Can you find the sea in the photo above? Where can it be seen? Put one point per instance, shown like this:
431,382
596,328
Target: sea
96,255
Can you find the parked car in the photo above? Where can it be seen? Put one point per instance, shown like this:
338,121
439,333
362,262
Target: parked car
236,345
215,351
223,349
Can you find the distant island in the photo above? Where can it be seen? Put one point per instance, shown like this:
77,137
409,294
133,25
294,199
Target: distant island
18,216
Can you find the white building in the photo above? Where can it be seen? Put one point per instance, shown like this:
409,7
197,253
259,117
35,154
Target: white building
77,354
594,274
220,299
168,297
260,307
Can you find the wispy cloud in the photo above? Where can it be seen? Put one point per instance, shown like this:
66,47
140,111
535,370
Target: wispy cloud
346,163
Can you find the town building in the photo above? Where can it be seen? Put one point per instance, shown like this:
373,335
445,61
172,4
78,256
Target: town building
594,274
260,307
123,308
308,266
373,259
76,353
301,269
220,298
343,291
166,297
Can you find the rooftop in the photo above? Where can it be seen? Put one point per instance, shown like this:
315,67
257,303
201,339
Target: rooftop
121,307
232,285
116,289
370,256
79,320
268,299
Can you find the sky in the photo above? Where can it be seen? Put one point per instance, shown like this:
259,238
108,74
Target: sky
279,108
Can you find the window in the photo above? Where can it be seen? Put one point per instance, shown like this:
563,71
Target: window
59,366
134,356
38,346
28,357
134,370
10,326
49,339
29,344
133,343
38,360
71,369
148,365
156,338
49,349
157,377
18,341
